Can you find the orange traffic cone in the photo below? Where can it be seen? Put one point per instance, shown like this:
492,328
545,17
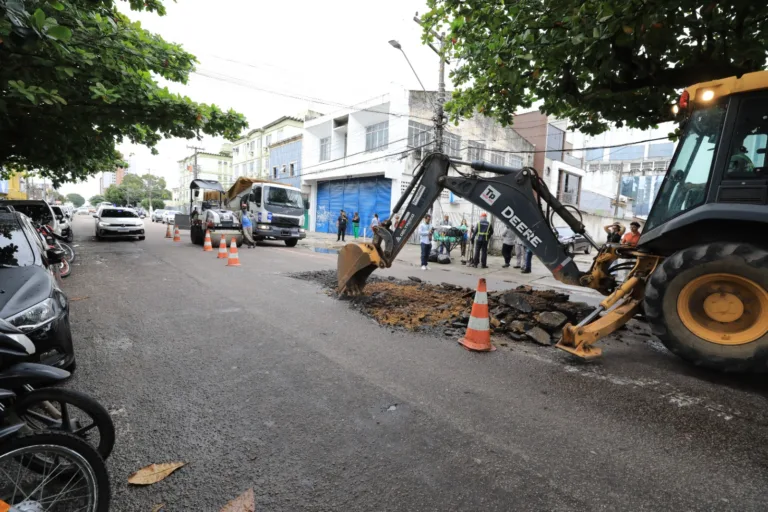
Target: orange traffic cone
207,245
222,248
234,258
176,235
168,232
478,337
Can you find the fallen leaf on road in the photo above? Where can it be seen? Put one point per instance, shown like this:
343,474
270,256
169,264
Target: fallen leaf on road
73,299
243,503
154,473
157,508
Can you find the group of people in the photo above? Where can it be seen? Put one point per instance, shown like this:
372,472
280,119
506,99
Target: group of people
341,225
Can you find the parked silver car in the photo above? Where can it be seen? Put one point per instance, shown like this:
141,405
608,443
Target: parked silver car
157,215
114,222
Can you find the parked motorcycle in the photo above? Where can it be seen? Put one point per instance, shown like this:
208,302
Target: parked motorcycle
48,470
49,409
58,242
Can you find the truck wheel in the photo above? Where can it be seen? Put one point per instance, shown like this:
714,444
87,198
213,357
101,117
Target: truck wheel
292,242
196,235
708,304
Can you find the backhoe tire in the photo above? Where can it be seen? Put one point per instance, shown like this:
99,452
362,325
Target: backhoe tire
196,235
692,285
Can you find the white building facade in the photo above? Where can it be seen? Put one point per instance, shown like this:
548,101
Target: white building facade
250,154
210,166
362,159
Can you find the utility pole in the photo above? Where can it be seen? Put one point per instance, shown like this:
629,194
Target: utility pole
195,169
439,104
149,190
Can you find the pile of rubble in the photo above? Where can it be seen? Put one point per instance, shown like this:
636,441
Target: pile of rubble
520,314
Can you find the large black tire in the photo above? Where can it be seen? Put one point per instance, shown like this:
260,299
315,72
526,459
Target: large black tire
100,416
291,242
69,442
196,235
666,284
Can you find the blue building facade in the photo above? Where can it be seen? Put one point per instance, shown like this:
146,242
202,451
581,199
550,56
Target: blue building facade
285,162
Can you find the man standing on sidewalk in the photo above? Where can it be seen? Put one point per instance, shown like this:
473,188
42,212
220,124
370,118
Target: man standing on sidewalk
508,239
341,224
483,231
425,233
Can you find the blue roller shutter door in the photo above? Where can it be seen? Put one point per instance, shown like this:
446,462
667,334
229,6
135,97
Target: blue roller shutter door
363,195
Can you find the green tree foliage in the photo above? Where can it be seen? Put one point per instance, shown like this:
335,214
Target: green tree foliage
157,204
76,199
595,62
135,189
94,200
77,77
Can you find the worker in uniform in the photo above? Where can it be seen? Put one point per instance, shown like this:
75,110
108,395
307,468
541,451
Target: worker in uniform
482,234
247,224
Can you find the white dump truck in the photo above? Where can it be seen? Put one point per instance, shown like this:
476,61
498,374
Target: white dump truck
277,210
208,212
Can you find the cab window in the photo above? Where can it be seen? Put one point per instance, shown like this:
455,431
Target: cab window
746,159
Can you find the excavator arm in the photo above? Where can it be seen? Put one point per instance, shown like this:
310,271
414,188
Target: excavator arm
511,197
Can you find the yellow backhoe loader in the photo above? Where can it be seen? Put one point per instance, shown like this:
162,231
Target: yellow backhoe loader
700,270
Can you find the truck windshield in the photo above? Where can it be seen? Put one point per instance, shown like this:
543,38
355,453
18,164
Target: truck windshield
284,197
685,185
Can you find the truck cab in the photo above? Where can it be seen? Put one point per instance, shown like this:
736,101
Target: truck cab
207,213
277,210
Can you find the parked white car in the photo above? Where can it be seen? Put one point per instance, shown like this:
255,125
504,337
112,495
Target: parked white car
169,216
115,222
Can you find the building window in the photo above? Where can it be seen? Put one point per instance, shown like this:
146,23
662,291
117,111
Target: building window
475,151
568,188
283,169
660,165
376,136
515,161
555,143
236,150
635,167
452,144
497,158
419,137
605,167
594,167
292,169
279,134
268,140
251,168
616,167
274,172
325,149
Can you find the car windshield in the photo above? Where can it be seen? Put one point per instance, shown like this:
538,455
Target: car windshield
57,210
15,250
284,197
39,213
564,232
116,214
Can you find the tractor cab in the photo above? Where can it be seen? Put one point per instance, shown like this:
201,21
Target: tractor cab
716,188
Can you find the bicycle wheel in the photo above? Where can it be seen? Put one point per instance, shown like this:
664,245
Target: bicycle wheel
74,477
69,250
65,410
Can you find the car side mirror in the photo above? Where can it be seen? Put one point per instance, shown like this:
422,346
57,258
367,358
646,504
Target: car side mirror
55,256
95,216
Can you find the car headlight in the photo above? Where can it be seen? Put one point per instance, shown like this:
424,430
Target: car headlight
301,230
103,224
34,317
263,226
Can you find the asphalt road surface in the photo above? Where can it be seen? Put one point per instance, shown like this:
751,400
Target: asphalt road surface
258,380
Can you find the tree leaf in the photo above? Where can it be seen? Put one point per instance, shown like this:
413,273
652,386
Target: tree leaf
56,5
60,33
158,507
246,502
154,473
39,17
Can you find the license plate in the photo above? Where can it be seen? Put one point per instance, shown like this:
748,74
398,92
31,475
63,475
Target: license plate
124,230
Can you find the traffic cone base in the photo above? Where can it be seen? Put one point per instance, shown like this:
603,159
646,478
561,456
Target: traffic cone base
176,235
222,248
234,257
168,233
207,245
478,337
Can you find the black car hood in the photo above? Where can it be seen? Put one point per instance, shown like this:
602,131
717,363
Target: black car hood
23,287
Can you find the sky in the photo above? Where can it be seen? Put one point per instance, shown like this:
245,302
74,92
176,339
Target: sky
335,51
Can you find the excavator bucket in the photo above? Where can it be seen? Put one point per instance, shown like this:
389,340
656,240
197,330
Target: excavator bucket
356,262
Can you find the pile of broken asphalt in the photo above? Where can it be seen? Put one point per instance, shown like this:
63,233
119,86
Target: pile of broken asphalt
521,313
